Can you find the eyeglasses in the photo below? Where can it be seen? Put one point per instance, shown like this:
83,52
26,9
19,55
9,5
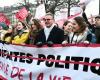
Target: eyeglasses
47,19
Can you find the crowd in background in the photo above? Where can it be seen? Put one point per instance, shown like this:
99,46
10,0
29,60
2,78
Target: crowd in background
77,30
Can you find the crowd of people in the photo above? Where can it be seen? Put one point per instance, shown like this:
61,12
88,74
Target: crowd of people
77,30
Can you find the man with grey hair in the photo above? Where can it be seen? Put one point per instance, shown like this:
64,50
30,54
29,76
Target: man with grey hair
51,32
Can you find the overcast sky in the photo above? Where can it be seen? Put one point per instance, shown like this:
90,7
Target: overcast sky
10,2
92,8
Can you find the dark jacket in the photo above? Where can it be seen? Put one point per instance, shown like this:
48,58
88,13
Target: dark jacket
94,29
97,33
91,27
56,36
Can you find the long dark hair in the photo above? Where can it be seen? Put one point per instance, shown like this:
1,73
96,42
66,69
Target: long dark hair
34,33
82,24
37,23
65,23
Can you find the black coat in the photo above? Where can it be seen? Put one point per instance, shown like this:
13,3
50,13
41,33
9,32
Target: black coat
95,30
56,36
97,33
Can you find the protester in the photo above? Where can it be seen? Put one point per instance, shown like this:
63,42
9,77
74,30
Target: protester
50,32
21,33
93,28
80,31
35,28
5,32
67,26
97,28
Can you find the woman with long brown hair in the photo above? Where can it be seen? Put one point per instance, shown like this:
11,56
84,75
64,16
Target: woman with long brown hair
34,29
80,31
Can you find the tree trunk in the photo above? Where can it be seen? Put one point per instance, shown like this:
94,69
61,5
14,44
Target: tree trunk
69,8
99,7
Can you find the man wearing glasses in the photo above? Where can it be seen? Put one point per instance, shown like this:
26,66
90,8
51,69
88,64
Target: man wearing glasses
51,32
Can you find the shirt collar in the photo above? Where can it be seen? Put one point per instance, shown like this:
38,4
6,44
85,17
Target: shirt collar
50,27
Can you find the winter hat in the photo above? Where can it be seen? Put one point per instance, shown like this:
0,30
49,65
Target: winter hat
4,26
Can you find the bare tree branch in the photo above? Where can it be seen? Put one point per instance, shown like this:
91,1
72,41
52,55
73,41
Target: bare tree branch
54,5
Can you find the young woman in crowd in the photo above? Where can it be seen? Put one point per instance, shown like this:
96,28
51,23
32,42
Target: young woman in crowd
77,31
35,28
21,33
80,31
67,27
